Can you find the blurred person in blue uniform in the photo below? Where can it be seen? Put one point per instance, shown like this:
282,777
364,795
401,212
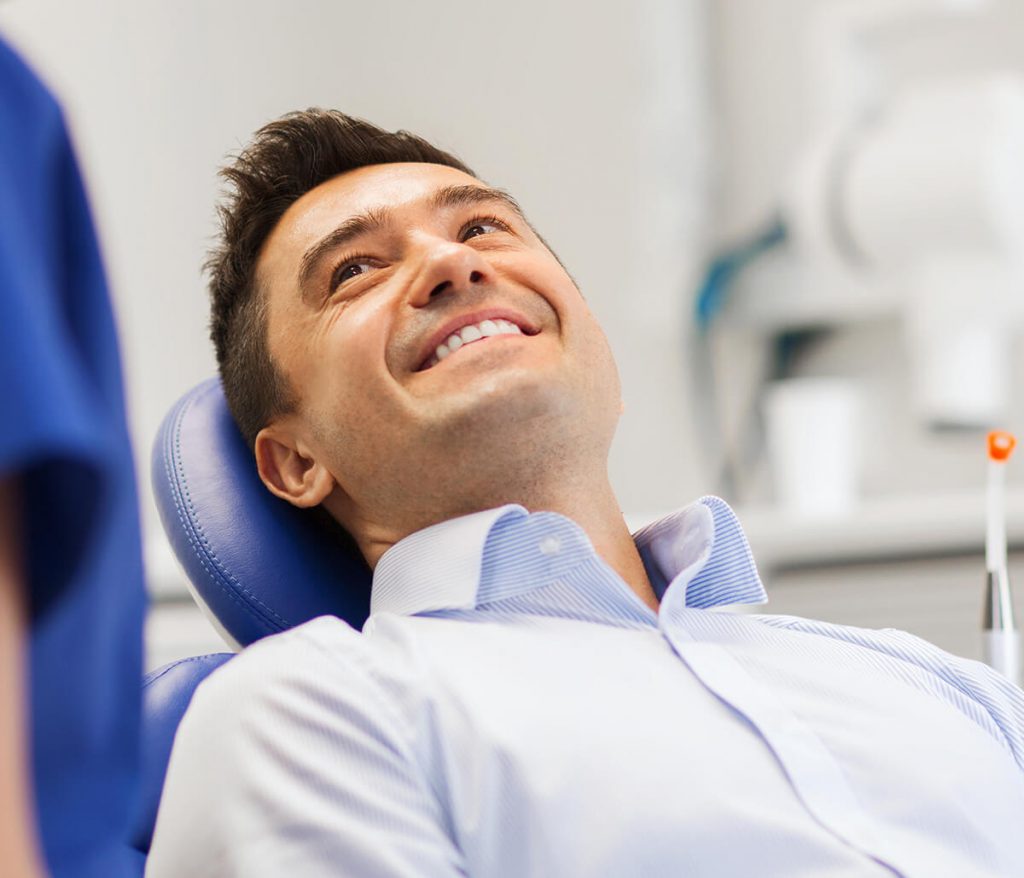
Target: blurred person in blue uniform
71,581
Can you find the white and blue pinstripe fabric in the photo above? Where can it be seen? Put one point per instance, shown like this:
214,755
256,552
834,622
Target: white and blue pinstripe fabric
513,709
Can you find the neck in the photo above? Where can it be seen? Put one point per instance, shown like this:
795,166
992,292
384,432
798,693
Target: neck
592,506
599,516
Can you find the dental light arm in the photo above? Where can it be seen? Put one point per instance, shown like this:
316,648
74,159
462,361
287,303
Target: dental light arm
923,190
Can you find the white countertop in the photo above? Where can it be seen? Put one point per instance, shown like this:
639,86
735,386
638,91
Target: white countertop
877,529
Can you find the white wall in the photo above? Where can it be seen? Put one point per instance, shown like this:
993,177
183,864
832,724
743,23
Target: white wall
593,116
762,92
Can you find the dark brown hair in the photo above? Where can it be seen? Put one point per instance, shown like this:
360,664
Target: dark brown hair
285,160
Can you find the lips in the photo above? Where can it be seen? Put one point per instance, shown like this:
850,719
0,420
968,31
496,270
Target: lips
488,322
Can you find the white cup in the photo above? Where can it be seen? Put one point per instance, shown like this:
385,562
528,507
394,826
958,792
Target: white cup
813,430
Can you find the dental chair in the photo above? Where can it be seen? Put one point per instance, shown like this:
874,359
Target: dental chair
256,565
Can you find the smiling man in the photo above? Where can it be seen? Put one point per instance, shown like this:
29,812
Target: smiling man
536,692
424,329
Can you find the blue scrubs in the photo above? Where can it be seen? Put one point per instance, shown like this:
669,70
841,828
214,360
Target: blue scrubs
63,435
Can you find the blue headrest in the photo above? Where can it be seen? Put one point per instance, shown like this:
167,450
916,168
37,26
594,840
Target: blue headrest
258,563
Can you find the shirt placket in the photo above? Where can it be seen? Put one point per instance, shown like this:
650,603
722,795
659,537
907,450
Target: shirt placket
813,772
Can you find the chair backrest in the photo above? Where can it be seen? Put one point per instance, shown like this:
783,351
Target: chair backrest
166,693
256,563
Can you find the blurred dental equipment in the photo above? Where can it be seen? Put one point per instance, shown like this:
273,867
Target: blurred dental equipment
904,203
903,199
999,628
921,192
812,428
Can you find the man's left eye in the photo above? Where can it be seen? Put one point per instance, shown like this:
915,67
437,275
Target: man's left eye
482,227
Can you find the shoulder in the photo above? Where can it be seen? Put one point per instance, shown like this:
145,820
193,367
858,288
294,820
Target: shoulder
22,90
972,686
305,656
901,646
315,692
310,675
30,118
892,641
385,647
294,757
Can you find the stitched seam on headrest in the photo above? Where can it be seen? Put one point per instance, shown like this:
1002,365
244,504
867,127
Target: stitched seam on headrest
198,541
188,527
156,675
219,572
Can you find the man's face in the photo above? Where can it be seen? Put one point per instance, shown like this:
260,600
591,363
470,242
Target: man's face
435,344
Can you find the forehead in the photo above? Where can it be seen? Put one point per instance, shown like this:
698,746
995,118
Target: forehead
398,186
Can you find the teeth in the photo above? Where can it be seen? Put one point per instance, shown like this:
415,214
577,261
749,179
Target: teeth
468,334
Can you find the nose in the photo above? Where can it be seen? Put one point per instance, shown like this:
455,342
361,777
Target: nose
447,267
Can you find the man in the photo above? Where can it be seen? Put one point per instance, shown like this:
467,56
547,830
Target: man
536,692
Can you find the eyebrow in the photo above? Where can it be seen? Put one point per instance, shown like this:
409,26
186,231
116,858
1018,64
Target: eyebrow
375,219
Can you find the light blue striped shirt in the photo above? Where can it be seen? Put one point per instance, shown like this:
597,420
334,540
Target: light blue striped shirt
513,709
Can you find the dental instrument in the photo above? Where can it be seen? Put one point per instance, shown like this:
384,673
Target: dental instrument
1001,638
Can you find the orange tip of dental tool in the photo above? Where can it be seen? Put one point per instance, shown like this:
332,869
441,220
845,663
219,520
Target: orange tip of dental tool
1000,445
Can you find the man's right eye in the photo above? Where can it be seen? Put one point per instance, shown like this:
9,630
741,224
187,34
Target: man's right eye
347,270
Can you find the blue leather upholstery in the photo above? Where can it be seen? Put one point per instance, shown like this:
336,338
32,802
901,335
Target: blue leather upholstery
166,693
259,564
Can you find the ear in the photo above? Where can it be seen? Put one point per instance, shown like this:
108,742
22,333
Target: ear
289,470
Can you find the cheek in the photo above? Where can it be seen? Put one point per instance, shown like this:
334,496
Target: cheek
348,362
603,369
340,395
342,367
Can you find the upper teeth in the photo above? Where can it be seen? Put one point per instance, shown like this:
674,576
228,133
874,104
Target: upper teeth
471,333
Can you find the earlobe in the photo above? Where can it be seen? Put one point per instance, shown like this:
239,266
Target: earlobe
288,469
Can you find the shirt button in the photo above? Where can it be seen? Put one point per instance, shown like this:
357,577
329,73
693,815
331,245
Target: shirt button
694,536
550,545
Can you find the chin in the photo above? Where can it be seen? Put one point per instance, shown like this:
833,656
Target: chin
503,405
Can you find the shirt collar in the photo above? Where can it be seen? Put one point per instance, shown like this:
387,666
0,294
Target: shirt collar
465,562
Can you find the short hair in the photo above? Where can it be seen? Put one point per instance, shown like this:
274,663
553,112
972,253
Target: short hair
285,160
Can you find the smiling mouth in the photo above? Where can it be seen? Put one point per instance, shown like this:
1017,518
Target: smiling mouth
472,333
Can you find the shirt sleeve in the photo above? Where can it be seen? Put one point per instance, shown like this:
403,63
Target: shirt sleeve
291,761
58,355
